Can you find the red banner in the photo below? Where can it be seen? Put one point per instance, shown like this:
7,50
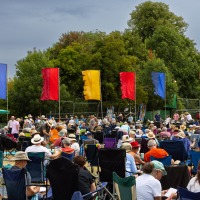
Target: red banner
128,85
50,90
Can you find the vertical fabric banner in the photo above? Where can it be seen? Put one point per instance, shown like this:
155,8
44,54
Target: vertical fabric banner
3,81
92,87
158,79
128,85
50,90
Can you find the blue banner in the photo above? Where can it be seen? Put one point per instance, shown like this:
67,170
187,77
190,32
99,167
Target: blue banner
3,81
158,79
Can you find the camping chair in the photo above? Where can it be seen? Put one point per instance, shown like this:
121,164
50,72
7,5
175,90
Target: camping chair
99,136
177,176
63,177
185,194
15,181
91,153
166,161
144,149
195,157
125,187
69,156
1,159
24,142
109,142
7,144
175,148
36,166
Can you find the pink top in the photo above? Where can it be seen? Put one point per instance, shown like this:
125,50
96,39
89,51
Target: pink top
15,127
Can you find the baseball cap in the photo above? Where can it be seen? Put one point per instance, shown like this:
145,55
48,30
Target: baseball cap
160,166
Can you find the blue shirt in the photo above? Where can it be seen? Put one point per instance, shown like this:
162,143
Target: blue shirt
130,165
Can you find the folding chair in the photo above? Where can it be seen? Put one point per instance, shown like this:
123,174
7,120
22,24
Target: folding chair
125,187
24,142
195,157
177,176
69,156
99,136
63,177
91,153
36,166
185,194
110,142
7,145
166,161
1,159
15,181
144,148
175,148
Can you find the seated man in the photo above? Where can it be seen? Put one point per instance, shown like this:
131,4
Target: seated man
154,151
165,133
37,146
86,181
66,149
90,139
21,159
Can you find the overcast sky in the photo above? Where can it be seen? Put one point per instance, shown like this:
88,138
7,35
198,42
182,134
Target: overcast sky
25,24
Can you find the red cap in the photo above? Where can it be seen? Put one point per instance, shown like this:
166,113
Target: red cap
135,144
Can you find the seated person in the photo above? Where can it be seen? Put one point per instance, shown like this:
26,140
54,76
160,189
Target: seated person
134,152
165,133
154,151
130,161
86,181
66,149
148,185
21,159
62,134
74,143
90,139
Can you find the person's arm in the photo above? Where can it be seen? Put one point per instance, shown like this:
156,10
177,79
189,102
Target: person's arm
138,159
92,187
45,132
157,198
32,190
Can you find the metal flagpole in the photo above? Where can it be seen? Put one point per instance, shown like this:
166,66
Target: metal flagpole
59,93
165,95
101,97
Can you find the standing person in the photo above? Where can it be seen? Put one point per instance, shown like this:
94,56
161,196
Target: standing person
10,124
15,128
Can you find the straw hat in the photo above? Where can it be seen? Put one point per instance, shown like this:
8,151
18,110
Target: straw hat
21,155
72,137
181,134
37,139
21,134
43,117
126,138
150,135
182,127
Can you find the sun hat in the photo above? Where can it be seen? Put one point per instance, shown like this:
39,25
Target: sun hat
150,135
160,166
147,130
181,134
29,115
135,144
72,137
127,146
37,139
21,134
126,138
43,117
21,155
132,132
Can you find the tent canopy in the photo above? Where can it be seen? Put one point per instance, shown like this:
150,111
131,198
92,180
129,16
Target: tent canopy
4,112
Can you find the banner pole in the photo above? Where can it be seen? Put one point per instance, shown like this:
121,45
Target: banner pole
101,97
135,99
59,93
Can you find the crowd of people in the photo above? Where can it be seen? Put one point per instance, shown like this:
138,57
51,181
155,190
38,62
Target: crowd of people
65,136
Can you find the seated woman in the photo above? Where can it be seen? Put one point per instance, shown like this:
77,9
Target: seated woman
148,185
194,184
86,181
130,161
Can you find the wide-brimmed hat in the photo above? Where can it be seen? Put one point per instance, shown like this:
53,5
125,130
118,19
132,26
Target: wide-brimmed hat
29,115
158,165
182,127
132,132
126,138
135,144
43,117
72,137
181,134
150,135
21,155
37,139
21,134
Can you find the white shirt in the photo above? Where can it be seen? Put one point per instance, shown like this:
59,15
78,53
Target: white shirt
147,187
76,148
193,185
40,148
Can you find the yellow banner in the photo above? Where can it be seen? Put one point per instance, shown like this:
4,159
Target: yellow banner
92,88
